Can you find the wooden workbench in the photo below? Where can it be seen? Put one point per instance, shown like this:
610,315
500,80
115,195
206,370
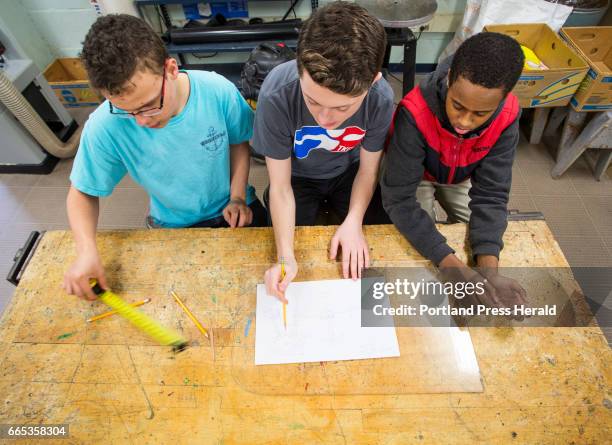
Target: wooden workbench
112,385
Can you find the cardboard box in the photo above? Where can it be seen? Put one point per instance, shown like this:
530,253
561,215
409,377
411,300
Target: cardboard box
545,88
594,44
68,79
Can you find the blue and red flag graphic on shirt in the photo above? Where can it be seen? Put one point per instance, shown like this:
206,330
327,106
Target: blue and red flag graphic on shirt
337,141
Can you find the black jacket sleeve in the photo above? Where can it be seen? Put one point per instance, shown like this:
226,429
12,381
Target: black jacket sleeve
401,177
491,181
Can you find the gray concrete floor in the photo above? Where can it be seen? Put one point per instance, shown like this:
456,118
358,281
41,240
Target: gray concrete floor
577,208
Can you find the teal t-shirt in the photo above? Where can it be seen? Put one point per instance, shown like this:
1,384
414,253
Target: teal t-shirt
184,166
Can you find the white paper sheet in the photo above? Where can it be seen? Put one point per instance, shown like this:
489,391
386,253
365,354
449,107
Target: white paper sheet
323,324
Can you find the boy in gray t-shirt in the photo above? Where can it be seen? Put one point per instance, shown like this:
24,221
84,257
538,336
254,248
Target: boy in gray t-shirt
321,123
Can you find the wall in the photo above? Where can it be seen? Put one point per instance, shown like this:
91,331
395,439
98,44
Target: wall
23,29
441,31
48,29
62,23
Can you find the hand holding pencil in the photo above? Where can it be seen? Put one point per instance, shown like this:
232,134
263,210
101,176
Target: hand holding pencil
276,283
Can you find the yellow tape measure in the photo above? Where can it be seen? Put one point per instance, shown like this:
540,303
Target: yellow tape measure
146,324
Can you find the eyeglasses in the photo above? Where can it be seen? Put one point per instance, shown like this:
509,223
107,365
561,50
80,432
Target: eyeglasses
149,112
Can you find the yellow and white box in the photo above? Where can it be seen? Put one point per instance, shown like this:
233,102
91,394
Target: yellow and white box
68,79
551,87
594,43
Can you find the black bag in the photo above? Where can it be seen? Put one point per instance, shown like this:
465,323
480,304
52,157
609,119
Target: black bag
260,62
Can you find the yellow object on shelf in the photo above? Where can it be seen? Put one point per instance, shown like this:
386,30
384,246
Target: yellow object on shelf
532,61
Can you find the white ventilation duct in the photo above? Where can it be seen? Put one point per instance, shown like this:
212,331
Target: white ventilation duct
103,7
29,118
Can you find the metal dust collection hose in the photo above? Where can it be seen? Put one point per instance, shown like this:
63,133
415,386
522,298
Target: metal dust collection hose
29,118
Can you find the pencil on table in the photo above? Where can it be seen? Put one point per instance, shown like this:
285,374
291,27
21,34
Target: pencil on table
197,323
190,315
109,313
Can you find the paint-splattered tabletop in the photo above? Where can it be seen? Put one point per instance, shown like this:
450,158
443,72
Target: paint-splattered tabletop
113,385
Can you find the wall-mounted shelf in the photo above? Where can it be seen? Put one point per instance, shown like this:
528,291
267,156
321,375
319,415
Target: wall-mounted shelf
222,47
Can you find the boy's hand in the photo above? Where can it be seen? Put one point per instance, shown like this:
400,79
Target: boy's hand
508,291
272,278
76,278
499,291
355,253
237,213
453,270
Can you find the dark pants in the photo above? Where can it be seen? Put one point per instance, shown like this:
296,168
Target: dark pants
260,219
335,194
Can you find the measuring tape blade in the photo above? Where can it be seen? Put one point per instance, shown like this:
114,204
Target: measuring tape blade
143,322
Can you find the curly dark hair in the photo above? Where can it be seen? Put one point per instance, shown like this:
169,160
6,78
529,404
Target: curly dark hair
116,46
488,59
342,47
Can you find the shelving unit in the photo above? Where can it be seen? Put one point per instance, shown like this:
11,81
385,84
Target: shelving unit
396,36
221,47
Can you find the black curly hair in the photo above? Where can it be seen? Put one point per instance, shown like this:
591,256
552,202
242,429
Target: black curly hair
115,47
488,59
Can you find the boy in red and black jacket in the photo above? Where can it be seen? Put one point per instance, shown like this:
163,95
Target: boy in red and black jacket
454,138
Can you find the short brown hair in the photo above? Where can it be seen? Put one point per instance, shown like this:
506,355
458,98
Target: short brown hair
342,47
116,46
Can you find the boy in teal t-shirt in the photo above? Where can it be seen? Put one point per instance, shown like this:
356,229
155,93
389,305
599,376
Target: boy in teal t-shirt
182,135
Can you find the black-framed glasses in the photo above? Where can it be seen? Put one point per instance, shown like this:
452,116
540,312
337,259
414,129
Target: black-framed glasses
149,112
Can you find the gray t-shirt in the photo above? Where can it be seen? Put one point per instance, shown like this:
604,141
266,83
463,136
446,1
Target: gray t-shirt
284,128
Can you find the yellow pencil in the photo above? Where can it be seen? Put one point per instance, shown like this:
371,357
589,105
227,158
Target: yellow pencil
284,304
109,313
190,315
